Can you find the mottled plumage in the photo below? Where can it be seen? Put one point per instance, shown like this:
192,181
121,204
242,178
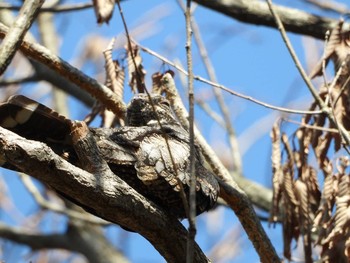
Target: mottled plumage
138,152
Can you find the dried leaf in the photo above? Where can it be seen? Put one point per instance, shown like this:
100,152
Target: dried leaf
136,70
157,87
288,173
276,171
115,74
302,194
337,49
103,10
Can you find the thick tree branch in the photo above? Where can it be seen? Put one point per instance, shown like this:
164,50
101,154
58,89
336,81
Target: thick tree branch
258,13
242,207
258,194
43,72
109,198
17,32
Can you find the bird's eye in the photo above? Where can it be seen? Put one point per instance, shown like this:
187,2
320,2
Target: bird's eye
165,102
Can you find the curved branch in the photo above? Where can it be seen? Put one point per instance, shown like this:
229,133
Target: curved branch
257,12
110,197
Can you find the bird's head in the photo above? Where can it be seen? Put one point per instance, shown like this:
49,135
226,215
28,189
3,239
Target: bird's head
145,110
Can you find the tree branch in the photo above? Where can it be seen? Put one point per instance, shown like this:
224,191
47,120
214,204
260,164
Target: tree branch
109,198
257,12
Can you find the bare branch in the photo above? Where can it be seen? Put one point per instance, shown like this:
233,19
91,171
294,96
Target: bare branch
249,98
257,12
192,196
17,31
329,6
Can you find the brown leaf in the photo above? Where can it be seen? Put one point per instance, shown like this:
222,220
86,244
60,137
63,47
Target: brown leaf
157,87
276,171
302,195
136,70
337,49
288,173
115,74
103,10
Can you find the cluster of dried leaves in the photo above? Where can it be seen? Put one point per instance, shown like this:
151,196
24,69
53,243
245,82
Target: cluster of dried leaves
317,216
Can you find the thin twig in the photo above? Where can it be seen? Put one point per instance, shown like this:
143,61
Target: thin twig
257,12
48,35
17,81
215,116
234,147
329,6
312,127
300,68
17,31
249,98
193,180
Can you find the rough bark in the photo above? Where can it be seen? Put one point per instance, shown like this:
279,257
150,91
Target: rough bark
106,195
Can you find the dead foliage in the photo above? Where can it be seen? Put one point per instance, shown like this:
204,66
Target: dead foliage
311,198
103,10
136,71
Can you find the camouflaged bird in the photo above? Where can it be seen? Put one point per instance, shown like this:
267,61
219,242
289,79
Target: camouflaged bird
138,152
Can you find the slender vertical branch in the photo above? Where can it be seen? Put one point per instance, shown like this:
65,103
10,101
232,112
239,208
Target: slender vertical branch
234,148
48,35
140,84
192,196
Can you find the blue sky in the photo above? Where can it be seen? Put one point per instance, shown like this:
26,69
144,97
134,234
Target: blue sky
248,59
